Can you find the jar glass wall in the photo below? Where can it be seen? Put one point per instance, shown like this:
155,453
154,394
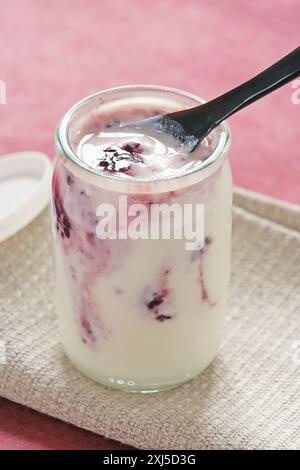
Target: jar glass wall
140,314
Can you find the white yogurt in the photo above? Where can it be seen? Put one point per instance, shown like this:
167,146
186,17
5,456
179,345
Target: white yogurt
139,315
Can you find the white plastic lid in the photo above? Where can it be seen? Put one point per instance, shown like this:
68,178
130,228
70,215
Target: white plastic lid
25,189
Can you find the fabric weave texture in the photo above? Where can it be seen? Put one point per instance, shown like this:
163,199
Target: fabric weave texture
247,399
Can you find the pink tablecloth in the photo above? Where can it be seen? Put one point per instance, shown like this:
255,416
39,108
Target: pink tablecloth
54,53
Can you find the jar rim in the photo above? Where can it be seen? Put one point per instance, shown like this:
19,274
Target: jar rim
62,140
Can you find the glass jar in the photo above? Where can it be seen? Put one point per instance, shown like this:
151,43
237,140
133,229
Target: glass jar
142,314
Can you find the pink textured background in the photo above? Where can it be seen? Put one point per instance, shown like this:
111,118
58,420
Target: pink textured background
56,52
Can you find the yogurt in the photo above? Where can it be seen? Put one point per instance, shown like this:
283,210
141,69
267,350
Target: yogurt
138,313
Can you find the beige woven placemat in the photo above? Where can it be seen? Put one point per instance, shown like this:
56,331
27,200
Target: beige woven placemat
249,398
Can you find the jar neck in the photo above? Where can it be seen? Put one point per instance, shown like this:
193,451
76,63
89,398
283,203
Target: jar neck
167,99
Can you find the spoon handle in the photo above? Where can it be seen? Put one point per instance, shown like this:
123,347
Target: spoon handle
267,81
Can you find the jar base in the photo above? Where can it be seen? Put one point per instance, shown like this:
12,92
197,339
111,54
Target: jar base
130,386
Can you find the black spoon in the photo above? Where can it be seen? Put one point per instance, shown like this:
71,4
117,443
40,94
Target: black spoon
190,126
